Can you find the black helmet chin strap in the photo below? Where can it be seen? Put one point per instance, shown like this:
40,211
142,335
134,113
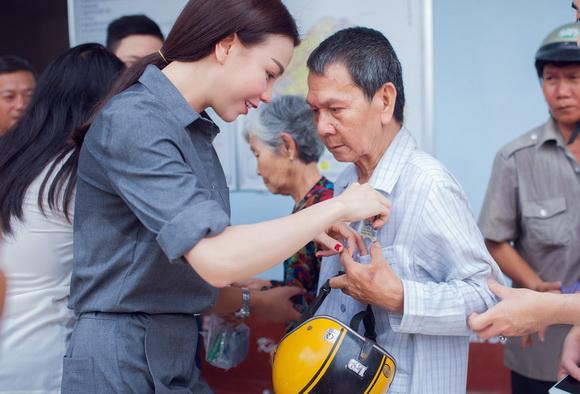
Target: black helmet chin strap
367,316
574,134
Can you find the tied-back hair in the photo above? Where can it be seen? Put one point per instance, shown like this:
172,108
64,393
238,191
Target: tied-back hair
293,116
204,23
66,93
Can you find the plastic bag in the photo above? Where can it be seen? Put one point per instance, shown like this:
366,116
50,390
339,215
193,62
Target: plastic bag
226,344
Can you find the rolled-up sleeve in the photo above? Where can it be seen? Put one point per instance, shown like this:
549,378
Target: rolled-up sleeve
144,162
498,217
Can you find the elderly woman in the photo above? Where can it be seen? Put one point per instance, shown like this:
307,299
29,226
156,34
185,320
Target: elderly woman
284,140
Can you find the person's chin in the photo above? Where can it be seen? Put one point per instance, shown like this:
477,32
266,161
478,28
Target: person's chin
342,157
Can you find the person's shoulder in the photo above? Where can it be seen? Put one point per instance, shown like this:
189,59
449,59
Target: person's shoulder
423,165
134,116
524,141
135,102
428,174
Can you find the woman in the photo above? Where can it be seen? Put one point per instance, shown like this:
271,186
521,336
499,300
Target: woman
151,234
287,148
38,161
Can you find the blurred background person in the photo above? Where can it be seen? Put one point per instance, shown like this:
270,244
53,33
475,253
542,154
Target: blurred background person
287,148
132,37
17,82
530,214
38,161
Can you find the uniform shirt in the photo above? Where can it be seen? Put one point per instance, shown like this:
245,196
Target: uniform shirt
37,260
433,244
533,201
150,187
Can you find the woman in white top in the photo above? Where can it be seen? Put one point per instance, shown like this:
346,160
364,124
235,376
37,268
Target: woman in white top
37,161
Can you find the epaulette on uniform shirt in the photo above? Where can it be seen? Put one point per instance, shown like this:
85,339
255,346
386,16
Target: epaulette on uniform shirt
526,140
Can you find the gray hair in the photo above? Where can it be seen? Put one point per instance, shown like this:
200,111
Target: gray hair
291,115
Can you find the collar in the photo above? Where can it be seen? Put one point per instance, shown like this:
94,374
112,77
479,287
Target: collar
549,133
164,90
391,164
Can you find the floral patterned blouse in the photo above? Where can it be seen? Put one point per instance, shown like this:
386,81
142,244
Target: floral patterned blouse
303,267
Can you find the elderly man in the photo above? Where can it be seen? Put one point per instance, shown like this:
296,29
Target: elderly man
17,83
429,265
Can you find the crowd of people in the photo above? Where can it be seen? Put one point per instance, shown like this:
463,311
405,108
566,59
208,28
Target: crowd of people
115,233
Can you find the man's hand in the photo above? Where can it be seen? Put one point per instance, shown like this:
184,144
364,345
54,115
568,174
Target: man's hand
520,312
548,286
375,283
571,355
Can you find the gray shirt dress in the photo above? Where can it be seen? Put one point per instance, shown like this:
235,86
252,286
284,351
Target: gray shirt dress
150,186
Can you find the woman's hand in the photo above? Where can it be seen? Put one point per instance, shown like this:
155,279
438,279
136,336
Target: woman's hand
520,312
336,238
364,202
275,304
253,283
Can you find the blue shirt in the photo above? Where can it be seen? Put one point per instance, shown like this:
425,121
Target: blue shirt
150,186
433,244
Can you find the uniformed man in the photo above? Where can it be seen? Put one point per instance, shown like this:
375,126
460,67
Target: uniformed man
531,214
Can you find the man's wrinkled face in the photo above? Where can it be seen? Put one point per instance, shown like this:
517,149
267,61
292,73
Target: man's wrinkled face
348,123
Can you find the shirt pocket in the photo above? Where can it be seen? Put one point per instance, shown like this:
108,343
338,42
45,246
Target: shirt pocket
546,221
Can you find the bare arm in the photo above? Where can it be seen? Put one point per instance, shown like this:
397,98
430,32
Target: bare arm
242,251
273,304
514,266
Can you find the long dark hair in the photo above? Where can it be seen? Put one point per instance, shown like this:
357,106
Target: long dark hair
65,95
200,26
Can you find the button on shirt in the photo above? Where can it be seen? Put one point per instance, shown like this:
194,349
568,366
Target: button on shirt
150,187
432,242
533,201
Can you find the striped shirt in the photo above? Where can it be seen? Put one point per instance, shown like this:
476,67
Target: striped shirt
432,242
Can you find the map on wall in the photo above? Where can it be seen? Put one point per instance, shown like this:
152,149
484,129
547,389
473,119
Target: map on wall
406,23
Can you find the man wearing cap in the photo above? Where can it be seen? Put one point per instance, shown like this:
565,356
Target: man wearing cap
530,216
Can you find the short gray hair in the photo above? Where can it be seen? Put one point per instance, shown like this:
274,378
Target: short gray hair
291,115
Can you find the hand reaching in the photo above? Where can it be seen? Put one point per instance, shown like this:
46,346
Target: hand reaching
336,238
364,202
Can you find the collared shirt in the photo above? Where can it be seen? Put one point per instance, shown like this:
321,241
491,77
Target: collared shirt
433,244
533,201
150,187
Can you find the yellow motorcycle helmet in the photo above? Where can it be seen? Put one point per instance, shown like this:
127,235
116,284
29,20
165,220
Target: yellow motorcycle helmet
323,355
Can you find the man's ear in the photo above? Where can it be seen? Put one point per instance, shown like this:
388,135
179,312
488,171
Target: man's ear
386,98
224,46
289,147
